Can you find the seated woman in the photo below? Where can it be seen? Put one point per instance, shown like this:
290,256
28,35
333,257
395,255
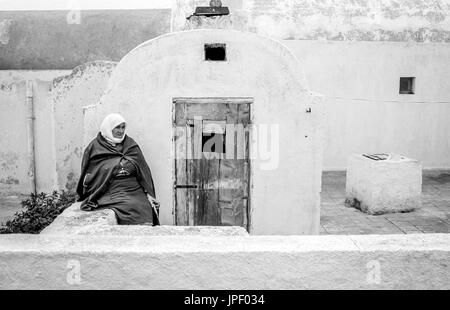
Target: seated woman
115,175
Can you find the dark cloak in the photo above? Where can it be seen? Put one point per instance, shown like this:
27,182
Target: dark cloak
101,162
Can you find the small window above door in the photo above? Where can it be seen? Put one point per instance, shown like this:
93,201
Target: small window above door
215,52
407,85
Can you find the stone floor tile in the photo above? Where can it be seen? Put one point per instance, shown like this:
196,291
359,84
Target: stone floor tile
434,216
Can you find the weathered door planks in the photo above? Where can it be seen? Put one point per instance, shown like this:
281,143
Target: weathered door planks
217,190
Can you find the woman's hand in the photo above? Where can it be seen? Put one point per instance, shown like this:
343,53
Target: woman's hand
153,201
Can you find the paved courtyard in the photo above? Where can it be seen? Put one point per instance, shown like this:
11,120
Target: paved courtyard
338,219
434,216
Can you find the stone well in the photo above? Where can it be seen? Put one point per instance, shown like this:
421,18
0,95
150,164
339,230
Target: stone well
392,183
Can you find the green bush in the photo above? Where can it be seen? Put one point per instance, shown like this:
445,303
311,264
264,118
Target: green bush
40,210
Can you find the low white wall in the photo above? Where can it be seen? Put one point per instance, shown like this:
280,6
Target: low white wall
256,262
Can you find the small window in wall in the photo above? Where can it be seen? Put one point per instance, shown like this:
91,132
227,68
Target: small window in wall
407,85
215,52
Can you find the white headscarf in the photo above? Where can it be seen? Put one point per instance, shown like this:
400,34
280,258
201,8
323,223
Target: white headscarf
108,124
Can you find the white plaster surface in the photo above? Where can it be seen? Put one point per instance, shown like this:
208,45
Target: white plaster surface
13,124
364,110
251,262
69,93
367,20
285,188
384,186
339,20
58,97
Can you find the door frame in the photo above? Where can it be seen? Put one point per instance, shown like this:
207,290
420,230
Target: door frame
224,100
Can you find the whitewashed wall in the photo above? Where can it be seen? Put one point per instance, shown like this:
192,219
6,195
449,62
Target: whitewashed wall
83,86
13,130
364,110
58,96
285,189
134,261
339,20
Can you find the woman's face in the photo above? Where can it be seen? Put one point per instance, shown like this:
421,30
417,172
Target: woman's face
119,131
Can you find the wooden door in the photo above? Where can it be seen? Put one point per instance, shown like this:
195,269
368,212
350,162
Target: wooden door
212,167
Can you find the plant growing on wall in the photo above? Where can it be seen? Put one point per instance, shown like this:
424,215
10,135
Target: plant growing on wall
40,210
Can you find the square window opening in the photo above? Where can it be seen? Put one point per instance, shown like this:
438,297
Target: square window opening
407,85
213,142
215,52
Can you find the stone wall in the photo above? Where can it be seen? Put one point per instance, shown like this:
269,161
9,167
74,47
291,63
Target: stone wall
337,20
14,161
83,86
349,20
58,100
49,40
220,262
